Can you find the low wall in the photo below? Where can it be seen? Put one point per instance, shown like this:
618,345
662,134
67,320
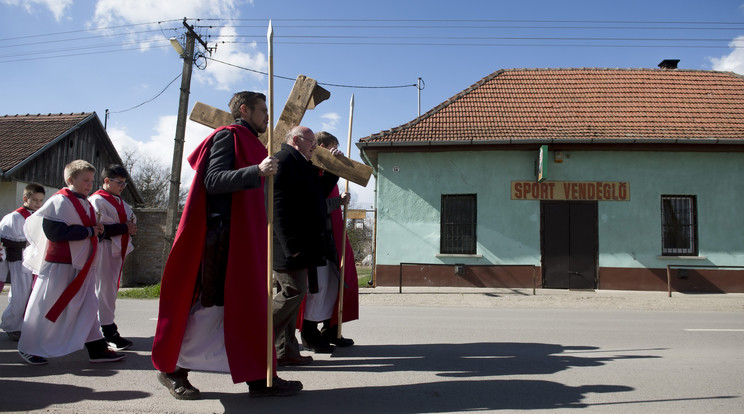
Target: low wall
144,266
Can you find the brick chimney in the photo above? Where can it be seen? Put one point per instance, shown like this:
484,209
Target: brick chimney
669,64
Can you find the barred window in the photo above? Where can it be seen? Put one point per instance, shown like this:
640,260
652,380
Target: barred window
679,225
458,224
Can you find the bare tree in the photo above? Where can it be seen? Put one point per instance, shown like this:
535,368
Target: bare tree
151,177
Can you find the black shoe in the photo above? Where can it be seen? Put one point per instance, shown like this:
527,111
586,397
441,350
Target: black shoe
279,388
330,334
319,346
294,361
178,384
106,355
14,336
342,342
117,343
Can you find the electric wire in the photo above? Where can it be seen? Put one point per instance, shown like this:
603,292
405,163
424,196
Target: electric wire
319,83
356,39
149,100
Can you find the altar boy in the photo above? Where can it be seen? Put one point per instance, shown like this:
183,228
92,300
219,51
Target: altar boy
62,313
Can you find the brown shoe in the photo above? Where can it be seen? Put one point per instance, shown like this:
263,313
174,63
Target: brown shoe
178,384
294,361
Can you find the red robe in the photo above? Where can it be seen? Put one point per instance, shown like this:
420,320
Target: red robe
351,289
245,282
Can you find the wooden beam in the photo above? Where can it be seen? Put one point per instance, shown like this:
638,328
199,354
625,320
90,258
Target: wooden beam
305,93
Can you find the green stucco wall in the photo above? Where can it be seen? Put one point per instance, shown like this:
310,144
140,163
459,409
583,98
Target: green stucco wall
409,201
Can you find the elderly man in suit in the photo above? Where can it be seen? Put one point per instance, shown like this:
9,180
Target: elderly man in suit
300,241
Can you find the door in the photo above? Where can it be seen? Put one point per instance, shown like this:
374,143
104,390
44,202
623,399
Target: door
569,244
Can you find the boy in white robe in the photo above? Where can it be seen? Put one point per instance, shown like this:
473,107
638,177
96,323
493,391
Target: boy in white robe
14,242
62,313
118,224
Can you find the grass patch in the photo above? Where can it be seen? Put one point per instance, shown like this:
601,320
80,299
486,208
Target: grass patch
145,292
153,291
363,275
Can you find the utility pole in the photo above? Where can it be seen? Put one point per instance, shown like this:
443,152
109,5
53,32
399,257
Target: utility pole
183,103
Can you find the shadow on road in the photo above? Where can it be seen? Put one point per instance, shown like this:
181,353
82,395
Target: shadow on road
463,387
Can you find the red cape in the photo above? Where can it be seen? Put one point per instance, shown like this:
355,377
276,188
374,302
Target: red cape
245,283
351,288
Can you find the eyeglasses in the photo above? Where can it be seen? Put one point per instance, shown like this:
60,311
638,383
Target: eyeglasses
121,183
313,143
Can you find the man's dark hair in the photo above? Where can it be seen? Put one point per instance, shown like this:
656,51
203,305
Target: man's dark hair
325,139
114,171
244,98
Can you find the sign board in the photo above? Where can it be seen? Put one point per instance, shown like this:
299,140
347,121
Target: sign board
570,190
356,214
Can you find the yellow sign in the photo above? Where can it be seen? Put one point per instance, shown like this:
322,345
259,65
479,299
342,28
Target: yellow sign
356,214
571,190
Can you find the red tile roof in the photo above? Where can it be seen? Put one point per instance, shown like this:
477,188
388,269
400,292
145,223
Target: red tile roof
21,136
584,105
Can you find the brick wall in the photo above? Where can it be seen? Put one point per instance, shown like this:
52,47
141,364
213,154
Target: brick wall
144,266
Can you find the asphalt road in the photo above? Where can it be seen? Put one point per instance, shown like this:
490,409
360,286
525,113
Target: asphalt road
436,352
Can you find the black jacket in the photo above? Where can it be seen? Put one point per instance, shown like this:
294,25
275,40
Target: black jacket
300,194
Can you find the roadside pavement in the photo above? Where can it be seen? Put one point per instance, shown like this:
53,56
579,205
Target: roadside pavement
443,350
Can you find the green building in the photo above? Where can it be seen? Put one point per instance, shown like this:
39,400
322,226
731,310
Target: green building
570,179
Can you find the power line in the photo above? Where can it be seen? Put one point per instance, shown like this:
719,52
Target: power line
484,21
79,54
319,83
355,36
88,30
149,100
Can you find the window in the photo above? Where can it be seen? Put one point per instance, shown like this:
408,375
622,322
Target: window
678,225
458,223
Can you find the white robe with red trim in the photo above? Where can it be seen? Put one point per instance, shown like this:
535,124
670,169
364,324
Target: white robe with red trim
78,323
110,264
11,228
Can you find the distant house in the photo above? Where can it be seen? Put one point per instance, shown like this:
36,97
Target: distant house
36,148
569,179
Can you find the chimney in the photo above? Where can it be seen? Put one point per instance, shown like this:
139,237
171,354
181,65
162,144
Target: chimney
669,64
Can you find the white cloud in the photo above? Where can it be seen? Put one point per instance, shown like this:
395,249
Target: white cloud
116,12
330,121
225,77
734,61
217,75
57,7
160,146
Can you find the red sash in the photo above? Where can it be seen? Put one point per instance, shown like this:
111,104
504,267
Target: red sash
88,219
24,212
119,205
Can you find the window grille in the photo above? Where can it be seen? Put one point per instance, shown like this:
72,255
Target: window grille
458,224
679,225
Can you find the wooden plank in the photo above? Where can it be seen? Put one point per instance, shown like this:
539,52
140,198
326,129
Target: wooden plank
210,116
294,109
305,92
344,167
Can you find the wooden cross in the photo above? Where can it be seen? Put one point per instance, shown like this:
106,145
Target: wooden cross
306,94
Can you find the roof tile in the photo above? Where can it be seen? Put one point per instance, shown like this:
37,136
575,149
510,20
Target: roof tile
580,104
22,135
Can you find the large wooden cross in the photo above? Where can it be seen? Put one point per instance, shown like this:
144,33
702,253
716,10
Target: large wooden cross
306,94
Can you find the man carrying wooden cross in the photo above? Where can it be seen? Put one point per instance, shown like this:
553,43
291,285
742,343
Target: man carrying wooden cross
213,312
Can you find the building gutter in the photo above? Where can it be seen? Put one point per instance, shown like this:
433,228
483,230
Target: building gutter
368,150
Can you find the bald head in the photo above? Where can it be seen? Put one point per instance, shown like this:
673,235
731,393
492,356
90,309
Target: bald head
303,140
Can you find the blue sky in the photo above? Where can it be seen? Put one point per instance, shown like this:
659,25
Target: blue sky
82,56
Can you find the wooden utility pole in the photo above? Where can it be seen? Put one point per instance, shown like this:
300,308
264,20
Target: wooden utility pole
183,104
